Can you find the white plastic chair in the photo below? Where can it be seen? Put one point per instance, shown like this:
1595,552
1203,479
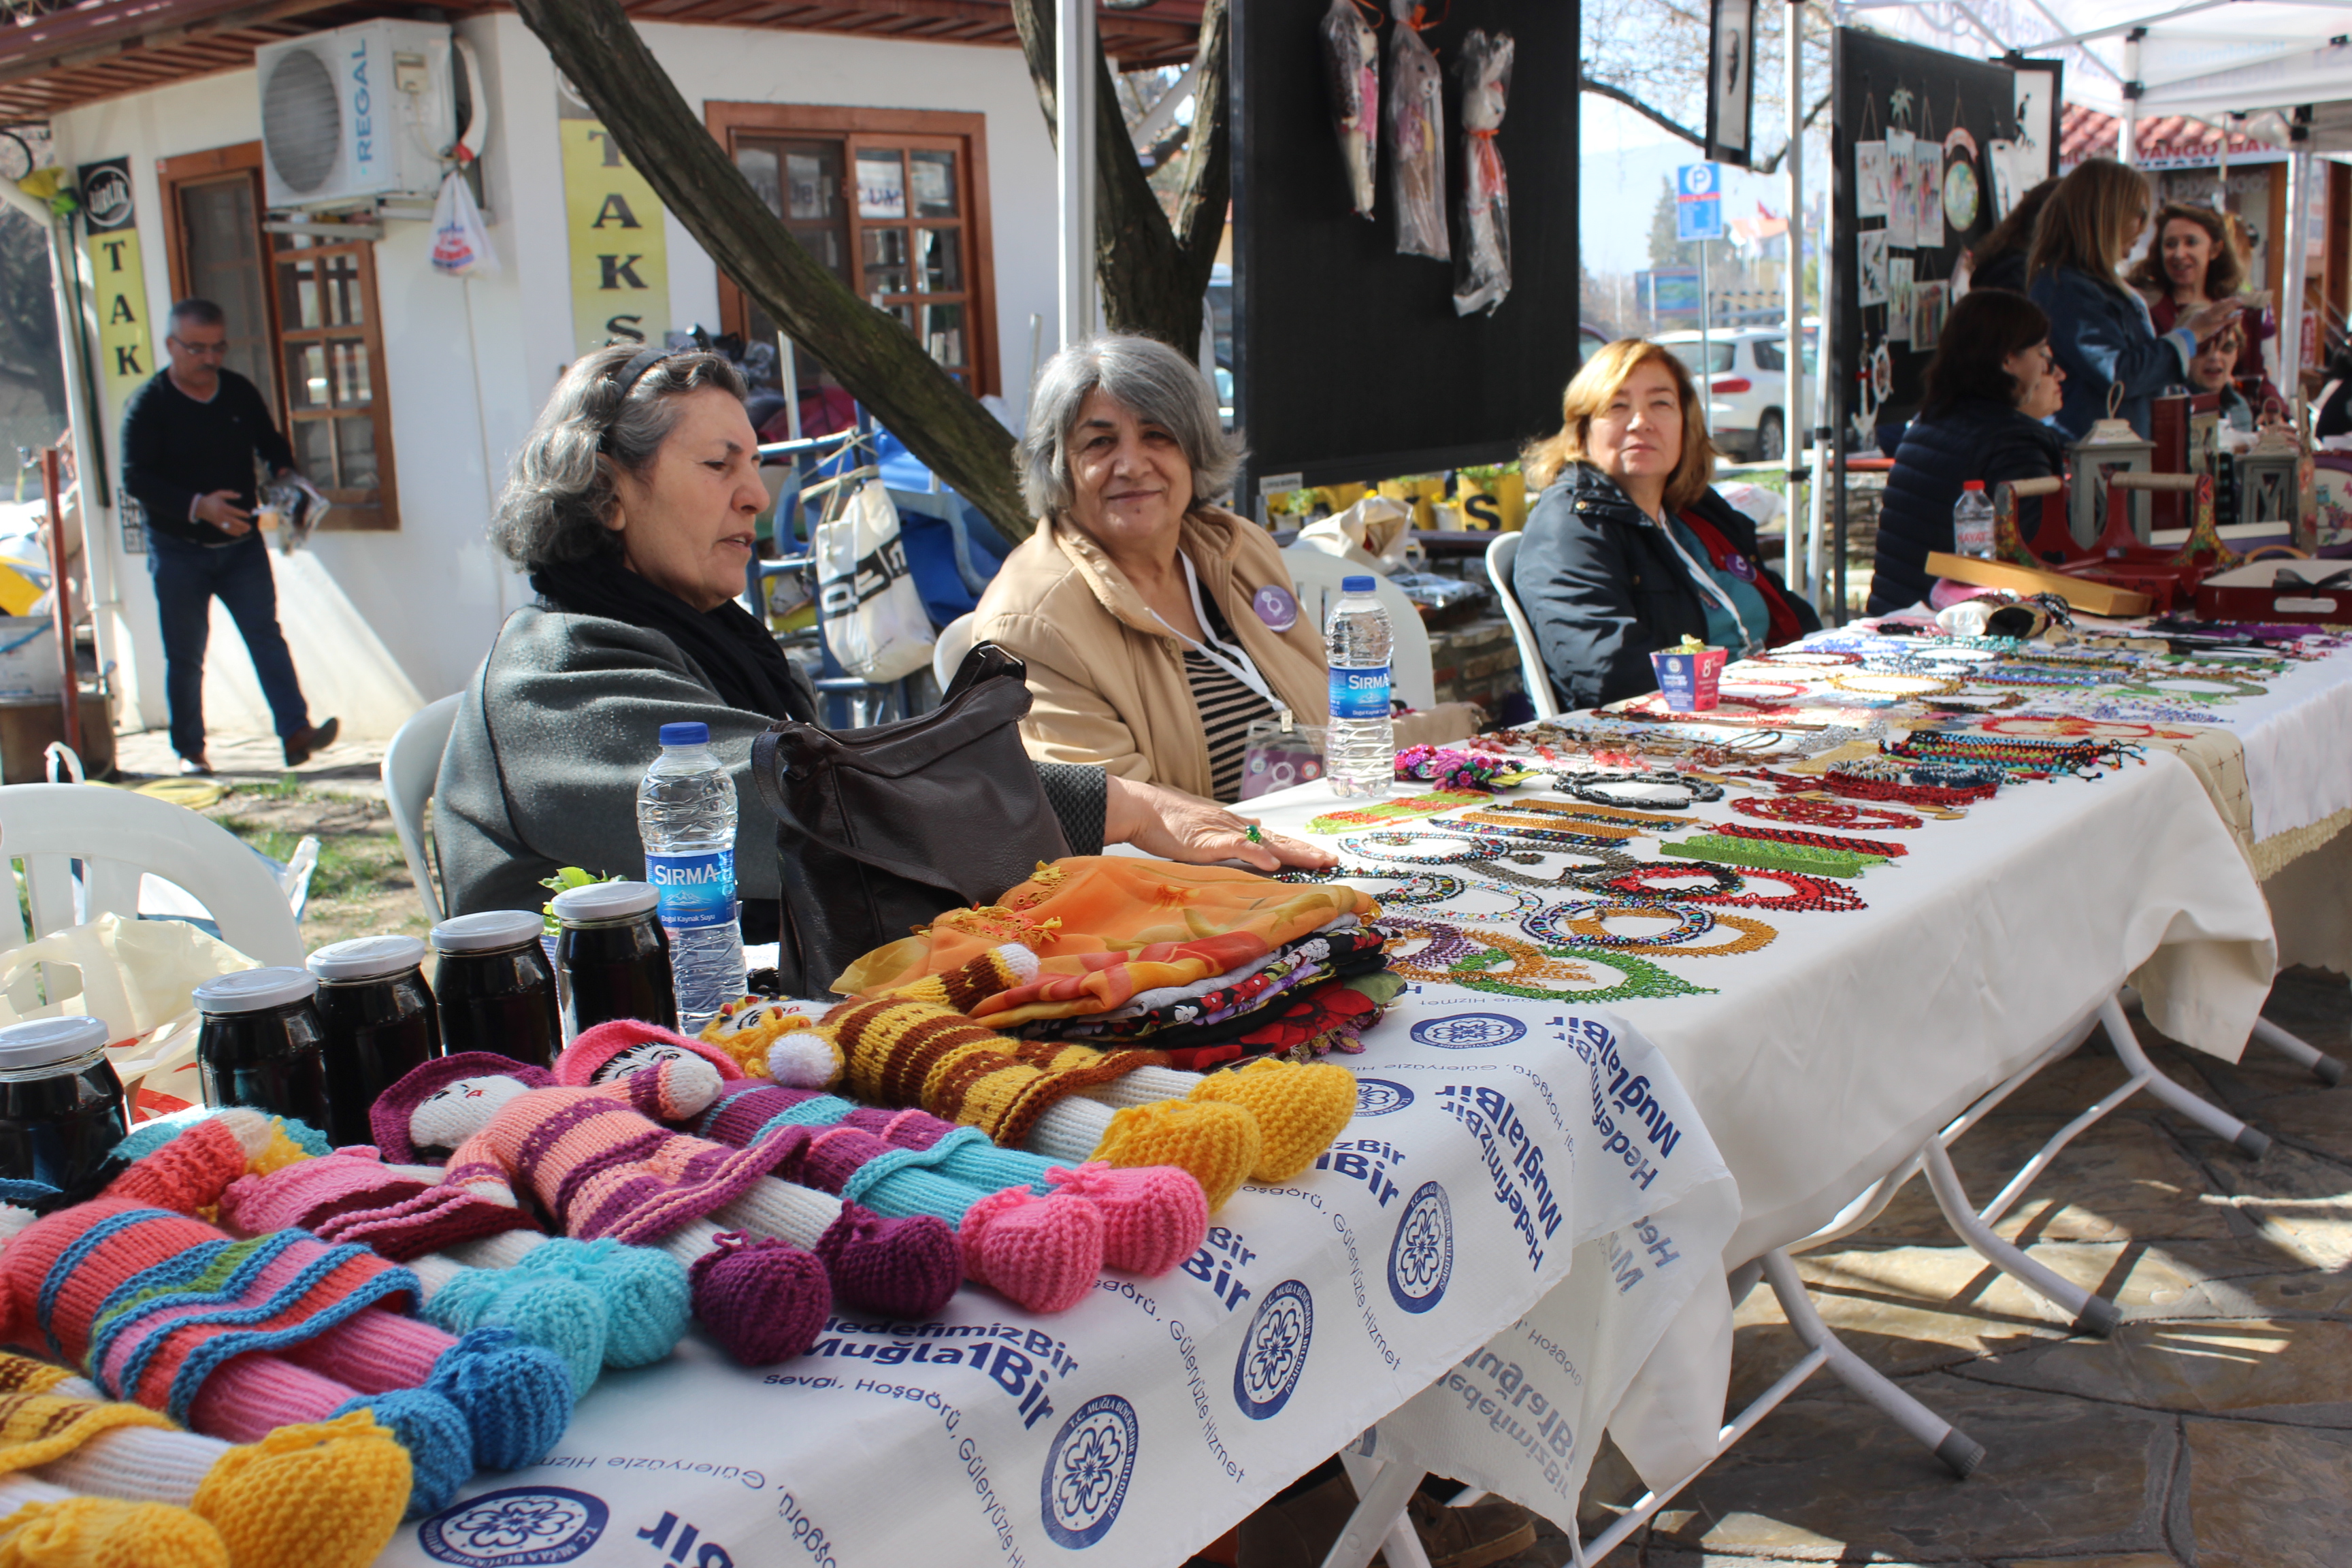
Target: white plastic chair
119,835
411,765
956,639
1501,556
1315,575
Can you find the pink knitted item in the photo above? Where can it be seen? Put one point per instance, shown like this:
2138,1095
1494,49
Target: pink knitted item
1154,1216
1043,1253
343,1196
375,1352
588,1054
253,1395
904,1268
763,1302
187,1173
389,1116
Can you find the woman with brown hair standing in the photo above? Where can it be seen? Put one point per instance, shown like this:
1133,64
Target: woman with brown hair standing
2100,332
2199,255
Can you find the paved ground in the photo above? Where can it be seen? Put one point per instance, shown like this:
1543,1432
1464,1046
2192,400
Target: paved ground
347,767
2215,1429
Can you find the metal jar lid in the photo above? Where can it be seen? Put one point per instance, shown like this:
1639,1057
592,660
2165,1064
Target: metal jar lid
606,901
43,1041
488,932
256,990
366,958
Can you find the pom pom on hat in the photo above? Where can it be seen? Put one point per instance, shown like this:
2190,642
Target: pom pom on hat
589,1053
390,1115
806,1059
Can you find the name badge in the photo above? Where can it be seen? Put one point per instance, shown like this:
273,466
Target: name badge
1739,566
1275,608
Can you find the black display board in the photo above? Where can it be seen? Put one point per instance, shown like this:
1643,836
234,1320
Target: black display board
1349,360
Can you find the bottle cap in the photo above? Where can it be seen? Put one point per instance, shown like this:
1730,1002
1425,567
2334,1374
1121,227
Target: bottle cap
45,1040
606,900
256,990
690,733
1357,584
1973,485
486,931
366,957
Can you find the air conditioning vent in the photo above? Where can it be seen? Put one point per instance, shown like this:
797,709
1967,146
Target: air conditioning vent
349,120
302,122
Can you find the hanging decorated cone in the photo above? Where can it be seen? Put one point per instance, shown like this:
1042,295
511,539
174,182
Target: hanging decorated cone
48,1527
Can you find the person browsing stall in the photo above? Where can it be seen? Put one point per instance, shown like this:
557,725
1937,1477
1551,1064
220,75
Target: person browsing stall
1990,391
2199,257
633,506
1156,626
1998,261
1629,549
2214,370
2101,331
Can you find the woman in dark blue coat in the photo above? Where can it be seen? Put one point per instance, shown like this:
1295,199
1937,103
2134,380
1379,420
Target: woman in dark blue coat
1628,549
1991,388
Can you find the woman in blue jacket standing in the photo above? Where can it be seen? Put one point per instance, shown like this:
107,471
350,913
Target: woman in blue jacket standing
2100,328
1991,389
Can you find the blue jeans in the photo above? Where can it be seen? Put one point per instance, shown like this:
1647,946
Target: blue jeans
188,577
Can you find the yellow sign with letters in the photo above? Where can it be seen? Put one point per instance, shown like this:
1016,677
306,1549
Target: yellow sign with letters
126,350
620,257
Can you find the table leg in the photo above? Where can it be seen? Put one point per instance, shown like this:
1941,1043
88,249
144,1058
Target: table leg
2093,1314
1380,1522
2212,1118
2320,1065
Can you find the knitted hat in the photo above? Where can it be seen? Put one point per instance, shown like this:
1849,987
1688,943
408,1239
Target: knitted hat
106,1532
588,1054
389,1116
324,1494
1301,1108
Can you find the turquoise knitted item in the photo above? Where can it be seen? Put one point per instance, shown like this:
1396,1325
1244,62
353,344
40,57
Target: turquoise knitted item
440,1448
149,1136
516,1397
558,1315
648,1298
968,1155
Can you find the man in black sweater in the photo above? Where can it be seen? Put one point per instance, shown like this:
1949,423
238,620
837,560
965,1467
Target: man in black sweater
189,439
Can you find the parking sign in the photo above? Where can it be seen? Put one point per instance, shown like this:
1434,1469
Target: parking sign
1698,201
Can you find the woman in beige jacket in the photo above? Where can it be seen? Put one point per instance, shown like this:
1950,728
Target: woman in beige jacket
1156,627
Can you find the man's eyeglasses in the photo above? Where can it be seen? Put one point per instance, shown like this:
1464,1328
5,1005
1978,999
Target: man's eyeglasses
211,351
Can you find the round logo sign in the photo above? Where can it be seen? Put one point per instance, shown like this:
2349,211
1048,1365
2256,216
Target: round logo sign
1377,1097
1087,1470
1468,1031
1420,1258
1275,608
520,1527
107,199
1273,1352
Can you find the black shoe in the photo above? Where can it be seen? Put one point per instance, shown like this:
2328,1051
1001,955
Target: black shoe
195,767
316,738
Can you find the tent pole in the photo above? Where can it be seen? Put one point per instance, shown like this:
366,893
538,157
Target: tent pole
1793,423
2128,127
2293,264
1074,106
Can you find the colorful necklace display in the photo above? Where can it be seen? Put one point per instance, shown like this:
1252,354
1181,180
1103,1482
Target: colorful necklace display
1813,840
1552,813
1823,813
1773,856
1582,927
1403,810
1927,685
2083,757
1809,894
1469,958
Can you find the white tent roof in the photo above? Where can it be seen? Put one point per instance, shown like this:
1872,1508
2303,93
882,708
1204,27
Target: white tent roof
2204,58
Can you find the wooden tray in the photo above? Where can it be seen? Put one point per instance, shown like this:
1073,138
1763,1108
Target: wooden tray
2097,598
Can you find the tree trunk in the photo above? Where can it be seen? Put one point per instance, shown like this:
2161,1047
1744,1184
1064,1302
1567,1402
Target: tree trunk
1152,276
872,353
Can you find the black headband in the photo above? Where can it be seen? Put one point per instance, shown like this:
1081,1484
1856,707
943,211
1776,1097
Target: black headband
633,372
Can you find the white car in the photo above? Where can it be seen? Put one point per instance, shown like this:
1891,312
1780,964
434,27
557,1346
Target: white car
1745,385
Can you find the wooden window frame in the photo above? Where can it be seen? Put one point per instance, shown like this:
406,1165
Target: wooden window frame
727,120
352,511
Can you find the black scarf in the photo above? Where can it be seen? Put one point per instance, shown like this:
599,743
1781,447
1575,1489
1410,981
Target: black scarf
738,654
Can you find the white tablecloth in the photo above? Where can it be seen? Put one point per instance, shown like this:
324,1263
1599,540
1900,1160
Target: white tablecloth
2298,743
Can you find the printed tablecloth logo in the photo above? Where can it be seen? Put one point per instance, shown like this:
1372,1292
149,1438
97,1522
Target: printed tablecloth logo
1087,1470
520,1526
1420,1258
1273,1352
1377,1097
1467,1031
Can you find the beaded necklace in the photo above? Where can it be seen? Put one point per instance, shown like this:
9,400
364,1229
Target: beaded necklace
1823,813
1470,958
1813,840
1582,927
1592,788
1806,892
1798,658
2083,757
1927,685
1403,810
1775,857
1943,797
1549,812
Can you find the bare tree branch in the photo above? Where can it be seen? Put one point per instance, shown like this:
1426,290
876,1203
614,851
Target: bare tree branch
1660,117
1772,165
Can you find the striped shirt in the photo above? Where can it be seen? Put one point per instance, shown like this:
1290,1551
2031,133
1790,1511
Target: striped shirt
1228,708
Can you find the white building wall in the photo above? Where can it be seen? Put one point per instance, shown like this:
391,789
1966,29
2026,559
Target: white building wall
381,621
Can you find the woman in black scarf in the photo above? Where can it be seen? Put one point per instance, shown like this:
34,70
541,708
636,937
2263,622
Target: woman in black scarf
632,507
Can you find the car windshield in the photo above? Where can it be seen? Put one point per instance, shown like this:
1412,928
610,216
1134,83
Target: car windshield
1771,355
1718,356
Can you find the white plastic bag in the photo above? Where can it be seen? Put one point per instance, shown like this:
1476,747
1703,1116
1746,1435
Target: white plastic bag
875,622
461,245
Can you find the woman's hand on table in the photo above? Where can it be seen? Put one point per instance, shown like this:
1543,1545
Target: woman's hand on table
1174,825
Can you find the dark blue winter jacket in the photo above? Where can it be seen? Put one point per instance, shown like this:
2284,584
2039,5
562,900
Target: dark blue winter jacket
2102,335
1972,438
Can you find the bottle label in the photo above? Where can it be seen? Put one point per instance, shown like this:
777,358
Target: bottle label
1360,693
695,890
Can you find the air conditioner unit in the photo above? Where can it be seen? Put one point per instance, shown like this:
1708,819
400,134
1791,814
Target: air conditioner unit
357,115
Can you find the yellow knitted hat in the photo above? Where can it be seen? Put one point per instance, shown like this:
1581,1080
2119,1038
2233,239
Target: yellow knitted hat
1218,1145
1299,1107
325,1494
106,1532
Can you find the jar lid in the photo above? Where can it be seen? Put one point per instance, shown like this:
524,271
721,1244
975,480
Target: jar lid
604,900
366,957
484,932
256,990
41,1041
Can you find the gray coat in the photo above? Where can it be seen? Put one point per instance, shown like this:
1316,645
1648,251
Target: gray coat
555,730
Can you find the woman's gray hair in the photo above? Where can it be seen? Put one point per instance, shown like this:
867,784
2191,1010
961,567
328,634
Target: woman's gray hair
560,493
1152,381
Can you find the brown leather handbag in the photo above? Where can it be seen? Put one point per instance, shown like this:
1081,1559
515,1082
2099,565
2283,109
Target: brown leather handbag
879,830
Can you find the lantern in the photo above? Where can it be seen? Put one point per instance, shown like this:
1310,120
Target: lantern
2270,480
2111,447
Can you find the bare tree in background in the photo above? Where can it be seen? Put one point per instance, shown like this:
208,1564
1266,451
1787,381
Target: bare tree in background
1652,56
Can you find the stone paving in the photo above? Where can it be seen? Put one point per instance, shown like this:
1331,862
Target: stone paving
2214,1429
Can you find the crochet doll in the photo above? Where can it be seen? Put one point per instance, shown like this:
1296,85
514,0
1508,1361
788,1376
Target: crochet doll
1037,1232
765,1256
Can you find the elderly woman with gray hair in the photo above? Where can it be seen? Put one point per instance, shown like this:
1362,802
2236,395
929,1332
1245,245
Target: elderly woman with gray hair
632,507
1156,625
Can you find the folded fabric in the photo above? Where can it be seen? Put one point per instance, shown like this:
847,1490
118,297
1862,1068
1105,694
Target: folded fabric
1309,963
1167,995
1329,1017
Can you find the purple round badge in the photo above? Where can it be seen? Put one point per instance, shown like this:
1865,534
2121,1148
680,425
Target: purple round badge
1739,566
1275,608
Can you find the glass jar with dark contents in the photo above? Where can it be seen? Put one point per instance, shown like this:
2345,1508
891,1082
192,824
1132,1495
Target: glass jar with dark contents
613,957
381,1022
60,1103
495,988
262,1044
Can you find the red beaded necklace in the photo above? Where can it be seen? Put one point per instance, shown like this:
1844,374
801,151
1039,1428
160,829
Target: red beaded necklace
1812,840
1823,813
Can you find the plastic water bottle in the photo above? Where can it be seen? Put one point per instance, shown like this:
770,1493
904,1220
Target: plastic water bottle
1972,522
686,816
1359,748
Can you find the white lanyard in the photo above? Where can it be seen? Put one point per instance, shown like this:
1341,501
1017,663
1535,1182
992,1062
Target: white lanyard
1709,585
1215,651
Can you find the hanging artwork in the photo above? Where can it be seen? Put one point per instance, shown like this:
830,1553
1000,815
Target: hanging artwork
1928,176
1416,115
1351,58
1962,197
1898,300
1902,192
1870,179
1482,272
1928,306
1870,266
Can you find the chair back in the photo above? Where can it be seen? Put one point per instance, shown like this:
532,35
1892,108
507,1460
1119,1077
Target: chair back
1315,577
411,764
1501,556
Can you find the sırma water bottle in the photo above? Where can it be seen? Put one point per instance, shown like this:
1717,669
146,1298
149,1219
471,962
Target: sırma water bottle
1360,747
1972,522
686,816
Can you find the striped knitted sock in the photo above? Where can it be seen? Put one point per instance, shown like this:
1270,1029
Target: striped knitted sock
70,1532
961,989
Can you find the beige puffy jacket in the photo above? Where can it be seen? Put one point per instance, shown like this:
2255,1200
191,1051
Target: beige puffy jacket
1106,680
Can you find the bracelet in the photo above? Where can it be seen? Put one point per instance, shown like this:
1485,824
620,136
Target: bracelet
1588,787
